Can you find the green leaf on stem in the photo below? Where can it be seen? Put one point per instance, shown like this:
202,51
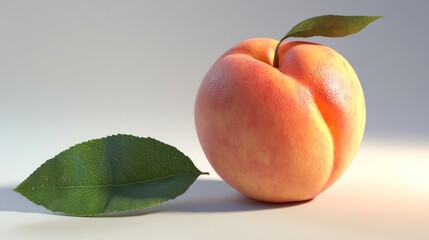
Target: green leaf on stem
326,26
115,173
330,26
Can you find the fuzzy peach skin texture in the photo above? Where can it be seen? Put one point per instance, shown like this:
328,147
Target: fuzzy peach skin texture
280,135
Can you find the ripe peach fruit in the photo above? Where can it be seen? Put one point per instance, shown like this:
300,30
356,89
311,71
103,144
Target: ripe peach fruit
280,134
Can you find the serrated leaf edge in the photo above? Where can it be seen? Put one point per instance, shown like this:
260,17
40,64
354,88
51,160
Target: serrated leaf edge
17,188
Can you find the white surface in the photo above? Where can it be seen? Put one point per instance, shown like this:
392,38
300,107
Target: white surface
383,195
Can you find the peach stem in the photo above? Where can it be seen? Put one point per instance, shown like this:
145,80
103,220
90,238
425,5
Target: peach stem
276,53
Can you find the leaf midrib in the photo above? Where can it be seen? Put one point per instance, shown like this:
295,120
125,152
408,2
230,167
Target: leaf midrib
126,184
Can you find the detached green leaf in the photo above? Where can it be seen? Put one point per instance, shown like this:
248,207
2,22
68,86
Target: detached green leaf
115,173
330,26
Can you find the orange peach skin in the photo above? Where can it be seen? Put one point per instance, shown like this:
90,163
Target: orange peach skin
285,134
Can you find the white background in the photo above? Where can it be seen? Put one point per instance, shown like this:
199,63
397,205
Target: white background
71,71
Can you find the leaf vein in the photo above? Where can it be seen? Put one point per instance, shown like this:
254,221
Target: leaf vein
80,165
125,184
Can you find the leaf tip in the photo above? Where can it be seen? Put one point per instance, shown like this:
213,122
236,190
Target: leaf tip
375,17
19,189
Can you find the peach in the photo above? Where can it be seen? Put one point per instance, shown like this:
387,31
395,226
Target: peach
280,134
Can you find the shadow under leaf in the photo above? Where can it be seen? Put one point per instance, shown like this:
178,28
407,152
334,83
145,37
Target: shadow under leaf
204,196
208,196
